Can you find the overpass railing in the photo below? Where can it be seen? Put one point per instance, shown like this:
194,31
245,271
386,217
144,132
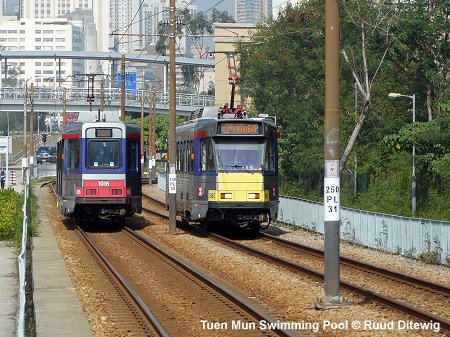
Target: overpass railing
45,94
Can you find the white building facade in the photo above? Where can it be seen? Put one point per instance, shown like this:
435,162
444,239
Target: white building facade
43,34
96,37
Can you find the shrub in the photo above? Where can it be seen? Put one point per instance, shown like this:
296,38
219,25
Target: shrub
10,213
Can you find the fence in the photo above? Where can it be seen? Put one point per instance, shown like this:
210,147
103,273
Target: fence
44,170
402,235
112,94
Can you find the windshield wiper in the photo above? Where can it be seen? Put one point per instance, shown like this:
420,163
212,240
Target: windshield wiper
242,166
222,164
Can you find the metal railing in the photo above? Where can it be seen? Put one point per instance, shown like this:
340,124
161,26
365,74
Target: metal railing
44,170
402,235
396,234
44,94
22,264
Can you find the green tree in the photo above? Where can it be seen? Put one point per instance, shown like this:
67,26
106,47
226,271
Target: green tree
284,76
421,51
367,37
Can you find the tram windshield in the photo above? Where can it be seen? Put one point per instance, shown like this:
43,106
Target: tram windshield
103,154
247,155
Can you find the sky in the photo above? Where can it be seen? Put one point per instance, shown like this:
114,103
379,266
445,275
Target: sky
224,5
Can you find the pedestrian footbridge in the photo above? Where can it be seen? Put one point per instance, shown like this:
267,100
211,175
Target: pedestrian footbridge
51,100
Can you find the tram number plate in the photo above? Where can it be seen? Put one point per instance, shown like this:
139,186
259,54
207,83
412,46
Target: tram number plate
103,183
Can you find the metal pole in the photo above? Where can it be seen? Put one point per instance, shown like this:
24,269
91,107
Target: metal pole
64,109
154,135
31,130
142,128
24,147
355,168
150,126
9,149
413,177
102,94
172,120
122,84
165,79
331,155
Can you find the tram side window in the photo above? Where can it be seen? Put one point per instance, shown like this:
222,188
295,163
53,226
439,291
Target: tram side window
132,153
207,156
269,162
74,154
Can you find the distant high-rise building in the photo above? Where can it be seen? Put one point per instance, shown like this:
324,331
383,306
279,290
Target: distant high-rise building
125,16
87,11
11,7
43,34
252,11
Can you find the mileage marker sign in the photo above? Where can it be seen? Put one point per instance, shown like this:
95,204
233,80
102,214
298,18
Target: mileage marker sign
331,199
331,192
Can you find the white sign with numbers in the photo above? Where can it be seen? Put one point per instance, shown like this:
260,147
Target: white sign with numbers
331,199
172,183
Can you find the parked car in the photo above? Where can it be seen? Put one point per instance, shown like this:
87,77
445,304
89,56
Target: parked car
43,154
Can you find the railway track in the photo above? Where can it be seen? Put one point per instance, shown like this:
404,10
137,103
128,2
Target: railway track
142,321
395,279
190,287
176,280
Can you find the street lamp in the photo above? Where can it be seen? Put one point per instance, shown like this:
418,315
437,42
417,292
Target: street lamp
394,95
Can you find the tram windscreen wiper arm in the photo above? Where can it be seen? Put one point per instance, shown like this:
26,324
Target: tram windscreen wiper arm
222,164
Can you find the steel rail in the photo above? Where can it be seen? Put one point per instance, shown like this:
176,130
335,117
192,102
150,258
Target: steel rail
382,299
148,314
217,287
368,267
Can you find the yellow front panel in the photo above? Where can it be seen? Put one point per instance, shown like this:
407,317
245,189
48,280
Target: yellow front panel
237,187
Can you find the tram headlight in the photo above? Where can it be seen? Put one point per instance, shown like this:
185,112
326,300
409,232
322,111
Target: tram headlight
253,195
225,196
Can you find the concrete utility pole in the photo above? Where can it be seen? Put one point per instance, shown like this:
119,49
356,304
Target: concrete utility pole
331,155
122,84
172,126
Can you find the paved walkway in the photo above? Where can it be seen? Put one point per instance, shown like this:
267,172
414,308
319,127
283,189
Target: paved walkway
9,289
57,308
9,278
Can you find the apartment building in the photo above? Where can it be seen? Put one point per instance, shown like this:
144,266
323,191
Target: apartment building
252,11
43,34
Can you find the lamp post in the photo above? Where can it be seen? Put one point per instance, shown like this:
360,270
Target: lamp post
394,95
